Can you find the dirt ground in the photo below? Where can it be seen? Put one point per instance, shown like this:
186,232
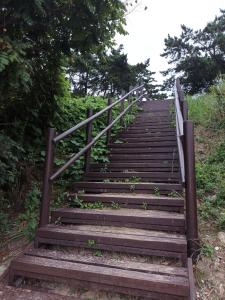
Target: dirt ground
210,267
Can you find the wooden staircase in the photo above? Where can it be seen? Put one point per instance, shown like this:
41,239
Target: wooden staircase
142,205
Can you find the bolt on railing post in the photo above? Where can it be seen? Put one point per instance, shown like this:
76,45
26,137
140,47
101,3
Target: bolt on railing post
190,193
87,157
47,184
109,120
122,109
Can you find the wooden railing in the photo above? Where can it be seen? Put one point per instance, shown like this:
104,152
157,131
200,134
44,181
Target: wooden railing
185,140
135,95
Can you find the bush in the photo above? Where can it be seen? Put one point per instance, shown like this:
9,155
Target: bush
29,219
208,110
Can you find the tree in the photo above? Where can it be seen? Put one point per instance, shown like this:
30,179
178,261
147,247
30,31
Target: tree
37,39
109,73
197,56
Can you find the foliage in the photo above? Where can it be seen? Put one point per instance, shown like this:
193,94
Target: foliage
109,73
210,169
29,218
197,56
208,110
207,250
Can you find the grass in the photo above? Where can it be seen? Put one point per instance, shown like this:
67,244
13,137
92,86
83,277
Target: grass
207,113
202,109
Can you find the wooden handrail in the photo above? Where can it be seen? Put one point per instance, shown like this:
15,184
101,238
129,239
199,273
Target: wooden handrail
92,118
185,142
49,176
180,132
88,146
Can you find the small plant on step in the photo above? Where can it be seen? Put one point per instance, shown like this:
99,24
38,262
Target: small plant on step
174,194
133,179
132,187
104,169
118,142
145,205
115,205
75,201
81,192
98,253
91,243
156,191
106,180
94,205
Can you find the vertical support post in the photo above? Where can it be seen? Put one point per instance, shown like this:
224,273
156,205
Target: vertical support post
122,109
185,110
183,104
47,184
191,202
109,121
87,157
130,96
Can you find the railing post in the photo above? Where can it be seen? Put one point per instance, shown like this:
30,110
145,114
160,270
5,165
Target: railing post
185,110
190,194
87,157
122,109
47,184
131,95
183,104
109,120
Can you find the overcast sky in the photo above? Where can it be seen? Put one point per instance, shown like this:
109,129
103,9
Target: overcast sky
147,29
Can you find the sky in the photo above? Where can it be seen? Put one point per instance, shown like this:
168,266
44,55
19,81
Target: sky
148,28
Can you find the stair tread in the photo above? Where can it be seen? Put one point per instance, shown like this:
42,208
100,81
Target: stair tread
114,232
128,264
123,212
151,281
135,196
156,174
139,184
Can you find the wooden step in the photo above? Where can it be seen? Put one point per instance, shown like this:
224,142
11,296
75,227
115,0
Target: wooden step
148,129
131,218
103,187
131,200
134,176
127,240
149,139
145,149
165,126
143,157
149,281
152,145
165,166
147,134
149,124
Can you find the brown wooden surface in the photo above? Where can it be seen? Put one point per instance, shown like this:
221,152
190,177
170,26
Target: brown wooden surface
149,220
101,187
165,221
158,283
